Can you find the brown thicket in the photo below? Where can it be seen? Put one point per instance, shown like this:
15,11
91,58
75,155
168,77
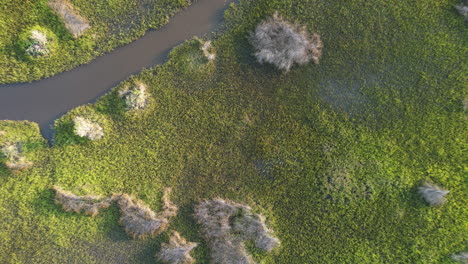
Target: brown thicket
16,161
226,225
177,251
137,219
284,44
433,194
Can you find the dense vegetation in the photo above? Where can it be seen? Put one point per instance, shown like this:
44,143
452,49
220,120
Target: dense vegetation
332,154
113,23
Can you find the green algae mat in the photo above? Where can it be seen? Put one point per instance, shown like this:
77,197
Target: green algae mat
331,154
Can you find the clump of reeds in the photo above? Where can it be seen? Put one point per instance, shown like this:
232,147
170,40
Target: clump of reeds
177,251
84,127
226,225
89,204
284,44
136,97
433,194
14,154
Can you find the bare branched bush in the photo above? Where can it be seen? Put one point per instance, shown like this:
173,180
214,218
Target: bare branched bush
462,9
284,44
139,221
89,204
14,154
433,194
461,257
226,225
87,128
208,50
136,97
177,251
74,23
38,44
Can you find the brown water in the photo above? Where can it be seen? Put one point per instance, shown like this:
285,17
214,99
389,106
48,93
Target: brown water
45,100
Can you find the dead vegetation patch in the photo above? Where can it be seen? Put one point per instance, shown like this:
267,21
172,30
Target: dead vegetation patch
84,127
136,97
284,44
74,23
433,194
177,251
16,161
89,204
137,219
226,225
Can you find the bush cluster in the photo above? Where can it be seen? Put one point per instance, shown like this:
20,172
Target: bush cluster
177,251
226,225
284,44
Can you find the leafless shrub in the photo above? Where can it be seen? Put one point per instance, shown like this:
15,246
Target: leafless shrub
208,49
461,257
38,46
139,221
87,128
226,225
177,251
462,9
283,44
89,204
433,194
15,159
74,23
136,97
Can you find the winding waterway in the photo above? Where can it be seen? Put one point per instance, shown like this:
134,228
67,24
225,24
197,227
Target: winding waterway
45,100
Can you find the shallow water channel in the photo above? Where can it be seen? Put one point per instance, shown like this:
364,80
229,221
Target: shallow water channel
46,100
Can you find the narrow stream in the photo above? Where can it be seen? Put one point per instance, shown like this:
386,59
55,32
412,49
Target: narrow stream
46,100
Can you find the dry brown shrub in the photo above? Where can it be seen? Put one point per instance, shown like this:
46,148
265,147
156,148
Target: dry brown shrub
177,251
89,204
139,221
462,9
433,194
136,97
226,225
74,23
14,154
461,257
284,44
